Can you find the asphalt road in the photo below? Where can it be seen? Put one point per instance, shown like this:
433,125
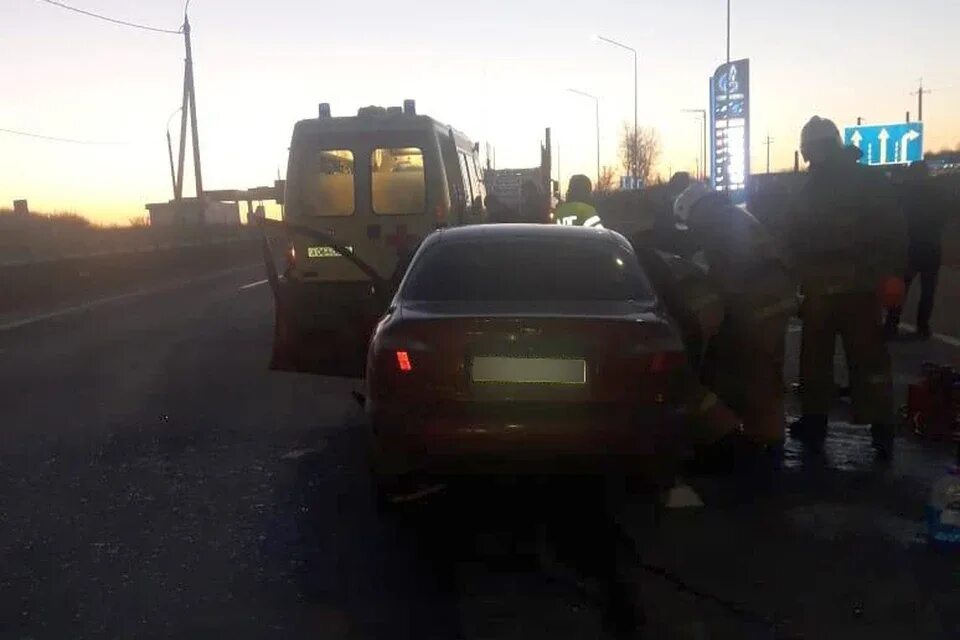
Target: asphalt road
157,481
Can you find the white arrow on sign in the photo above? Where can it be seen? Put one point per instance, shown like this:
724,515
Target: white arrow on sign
883,137
856,139
907,138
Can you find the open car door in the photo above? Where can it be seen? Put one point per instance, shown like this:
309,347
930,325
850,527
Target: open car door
341,353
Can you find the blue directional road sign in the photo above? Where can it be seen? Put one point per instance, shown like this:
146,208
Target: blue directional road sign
900,143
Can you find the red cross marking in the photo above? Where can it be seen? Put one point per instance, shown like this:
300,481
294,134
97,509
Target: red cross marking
400,240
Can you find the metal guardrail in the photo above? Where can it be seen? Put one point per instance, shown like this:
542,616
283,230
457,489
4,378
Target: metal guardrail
149,246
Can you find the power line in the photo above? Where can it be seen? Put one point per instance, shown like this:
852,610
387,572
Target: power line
39,136
124,23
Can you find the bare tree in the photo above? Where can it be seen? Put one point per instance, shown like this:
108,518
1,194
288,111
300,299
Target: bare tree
606,182
639,148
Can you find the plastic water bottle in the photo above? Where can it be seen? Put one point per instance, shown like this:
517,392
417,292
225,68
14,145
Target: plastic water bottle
943,510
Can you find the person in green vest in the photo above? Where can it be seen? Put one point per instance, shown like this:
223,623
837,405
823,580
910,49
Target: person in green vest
578,209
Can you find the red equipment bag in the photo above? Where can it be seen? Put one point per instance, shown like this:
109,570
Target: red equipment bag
933,403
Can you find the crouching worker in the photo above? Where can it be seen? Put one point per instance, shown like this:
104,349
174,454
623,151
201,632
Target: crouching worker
745,362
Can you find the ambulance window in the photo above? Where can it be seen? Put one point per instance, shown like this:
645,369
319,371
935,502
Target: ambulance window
477,176
328,183
465,177
398,182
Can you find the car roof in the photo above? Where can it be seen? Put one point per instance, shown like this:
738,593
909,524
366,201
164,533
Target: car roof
503,232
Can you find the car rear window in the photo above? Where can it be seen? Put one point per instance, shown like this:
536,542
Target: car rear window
541,270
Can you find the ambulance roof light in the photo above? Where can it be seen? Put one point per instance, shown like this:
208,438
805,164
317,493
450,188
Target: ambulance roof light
410,107
324,109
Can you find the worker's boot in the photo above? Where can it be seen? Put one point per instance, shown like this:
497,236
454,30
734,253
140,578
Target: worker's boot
811,432
883,436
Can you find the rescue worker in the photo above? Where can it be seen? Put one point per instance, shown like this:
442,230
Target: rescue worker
926,214
578,210
693,300
845,237
668,236
747,355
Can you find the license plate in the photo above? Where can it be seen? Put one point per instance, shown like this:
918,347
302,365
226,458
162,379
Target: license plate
324,252
529,370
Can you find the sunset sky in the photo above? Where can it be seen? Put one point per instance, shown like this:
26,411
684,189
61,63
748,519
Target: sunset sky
498,70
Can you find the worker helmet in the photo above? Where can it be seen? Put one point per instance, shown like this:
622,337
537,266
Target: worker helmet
688,199
820,130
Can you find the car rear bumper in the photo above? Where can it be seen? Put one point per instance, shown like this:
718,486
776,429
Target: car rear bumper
474,439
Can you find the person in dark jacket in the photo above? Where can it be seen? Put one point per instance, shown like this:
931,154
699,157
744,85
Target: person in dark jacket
845,237
758,297
926,214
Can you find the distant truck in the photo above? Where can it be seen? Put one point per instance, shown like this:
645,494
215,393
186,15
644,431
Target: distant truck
517,195
522,195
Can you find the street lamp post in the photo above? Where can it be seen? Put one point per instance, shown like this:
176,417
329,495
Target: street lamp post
596,104
636,95
728,31
703,139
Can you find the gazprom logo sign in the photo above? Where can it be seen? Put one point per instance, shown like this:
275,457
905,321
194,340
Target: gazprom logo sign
730,128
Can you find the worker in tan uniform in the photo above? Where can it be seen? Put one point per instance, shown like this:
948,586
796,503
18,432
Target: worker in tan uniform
847,239
716,433
745,366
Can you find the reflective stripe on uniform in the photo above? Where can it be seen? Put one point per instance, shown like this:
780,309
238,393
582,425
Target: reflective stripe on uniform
783,306
593,222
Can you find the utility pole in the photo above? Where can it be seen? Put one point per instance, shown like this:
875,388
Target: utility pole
188,109
198,175
173,171
768,142
920,93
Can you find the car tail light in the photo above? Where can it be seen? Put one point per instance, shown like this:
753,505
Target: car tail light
403,362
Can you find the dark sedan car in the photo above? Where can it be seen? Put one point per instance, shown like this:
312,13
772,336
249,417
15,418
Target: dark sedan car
524,348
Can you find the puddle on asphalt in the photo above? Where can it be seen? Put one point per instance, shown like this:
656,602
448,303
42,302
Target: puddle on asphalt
833,521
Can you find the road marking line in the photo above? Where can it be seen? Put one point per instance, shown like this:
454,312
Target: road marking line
945,339
50,315
253,284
